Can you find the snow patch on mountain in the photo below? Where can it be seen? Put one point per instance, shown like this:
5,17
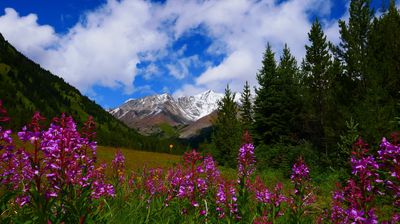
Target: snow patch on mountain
191,108
200,105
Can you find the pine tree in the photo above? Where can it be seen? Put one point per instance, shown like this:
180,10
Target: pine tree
246,108
227,132
316,68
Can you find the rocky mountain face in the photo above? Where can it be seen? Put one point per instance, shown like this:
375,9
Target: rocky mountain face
146,114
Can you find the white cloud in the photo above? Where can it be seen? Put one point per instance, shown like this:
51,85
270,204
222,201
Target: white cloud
332,32
181,68
234,66
241,29
151,71
189,90
101,49
26,34
105,46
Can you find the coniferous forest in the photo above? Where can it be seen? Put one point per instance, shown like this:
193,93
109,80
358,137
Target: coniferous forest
316,141
318,107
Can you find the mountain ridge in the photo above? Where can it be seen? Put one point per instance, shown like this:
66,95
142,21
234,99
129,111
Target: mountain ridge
144,114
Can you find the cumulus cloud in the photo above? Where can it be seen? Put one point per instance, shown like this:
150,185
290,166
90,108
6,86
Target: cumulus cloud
241,30
189,90
106,45
26,34
101,49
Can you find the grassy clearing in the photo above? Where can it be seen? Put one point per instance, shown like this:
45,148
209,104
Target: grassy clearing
135,160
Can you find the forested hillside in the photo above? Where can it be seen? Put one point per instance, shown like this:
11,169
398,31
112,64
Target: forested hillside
25,87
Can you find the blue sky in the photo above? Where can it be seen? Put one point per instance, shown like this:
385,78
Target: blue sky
113,50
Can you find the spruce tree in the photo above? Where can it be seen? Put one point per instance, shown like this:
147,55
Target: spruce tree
354,41
290,101
383,80
265,124
384,52
227,131
246,108
316,71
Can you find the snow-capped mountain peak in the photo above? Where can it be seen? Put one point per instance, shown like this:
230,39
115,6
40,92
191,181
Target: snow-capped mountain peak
148,112
200,105
191,108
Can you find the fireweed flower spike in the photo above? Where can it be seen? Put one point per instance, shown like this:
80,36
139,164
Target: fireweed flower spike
389,162
302,196
269,202
353,203
61,168
5,135
118,165
246,161
226,200
212,174
389,157
153,181
246,166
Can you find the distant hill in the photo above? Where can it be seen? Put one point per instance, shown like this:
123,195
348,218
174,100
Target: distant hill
25,87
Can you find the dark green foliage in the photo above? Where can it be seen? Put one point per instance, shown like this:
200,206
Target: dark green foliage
383,77
282,156
267,124
353,53
290,104
346,143
25,88
227,132
277,104
317,81
354,40
168,131
246,108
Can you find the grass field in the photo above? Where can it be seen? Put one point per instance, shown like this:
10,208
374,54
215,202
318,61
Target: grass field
137,159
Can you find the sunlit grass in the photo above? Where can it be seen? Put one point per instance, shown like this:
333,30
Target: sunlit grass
135,160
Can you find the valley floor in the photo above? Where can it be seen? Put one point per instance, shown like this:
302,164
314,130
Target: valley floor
137,159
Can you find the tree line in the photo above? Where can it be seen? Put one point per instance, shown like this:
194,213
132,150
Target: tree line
317,107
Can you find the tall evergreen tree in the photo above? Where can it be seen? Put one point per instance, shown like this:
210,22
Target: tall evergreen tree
316,68
277,104
227,131
246,108
291,104
384,52
383,77
266,125
354,41
287,68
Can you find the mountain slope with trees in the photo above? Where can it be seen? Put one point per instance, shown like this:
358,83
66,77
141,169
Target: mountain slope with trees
25,87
